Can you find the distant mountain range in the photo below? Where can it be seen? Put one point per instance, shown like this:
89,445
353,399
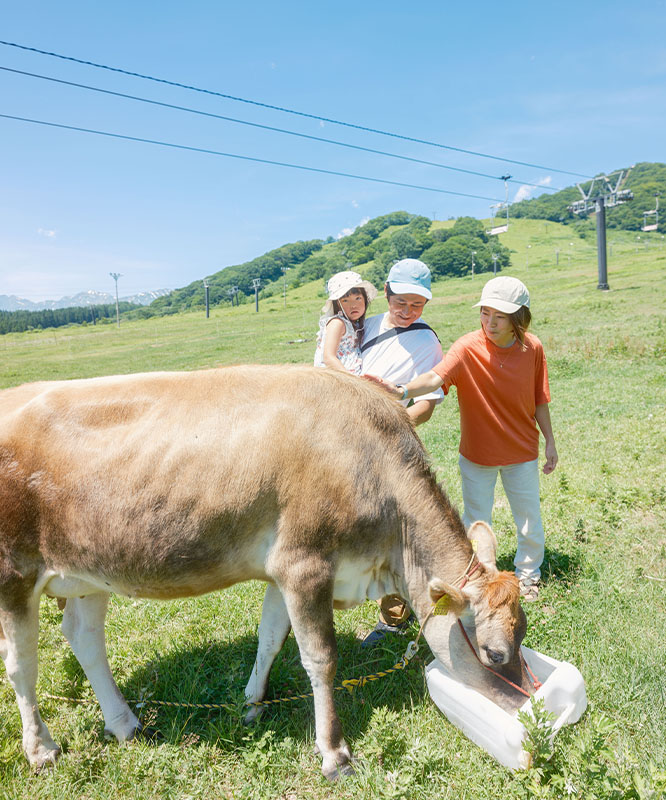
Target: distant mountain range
90,298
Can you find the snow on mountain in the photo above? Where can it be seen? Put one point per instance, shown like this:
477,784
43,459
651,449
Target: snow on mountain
89,298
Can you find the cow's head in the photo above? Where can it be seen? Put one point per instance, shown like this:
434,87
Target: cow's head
488,604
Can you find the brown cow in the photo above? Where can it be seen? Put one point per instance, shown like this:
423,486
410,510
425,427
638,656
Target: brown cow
166,485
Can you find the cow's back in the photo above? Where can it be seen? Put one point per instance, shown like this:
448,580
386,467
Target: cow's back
190,477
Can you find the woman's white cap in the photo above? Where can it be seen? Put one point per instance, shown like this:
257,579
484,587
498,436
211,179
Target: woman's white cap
504,294
343,282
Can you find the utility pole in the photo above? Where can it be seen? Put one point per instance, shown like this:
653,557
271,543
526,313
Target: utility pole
207,288
115,276
256,283
495,257
557,256
527,257
606,196
473,254
284,279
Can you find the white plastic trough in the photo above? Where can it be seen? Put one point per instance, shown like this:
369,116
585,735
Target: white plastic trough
492,728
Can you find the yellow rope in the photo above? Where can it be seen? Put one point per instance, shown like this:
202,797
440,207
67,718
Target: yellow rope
349,684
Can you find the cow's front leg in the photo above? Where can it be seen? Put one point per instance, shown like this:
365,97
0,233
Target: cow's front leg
273,630
18,647
83,627
309,602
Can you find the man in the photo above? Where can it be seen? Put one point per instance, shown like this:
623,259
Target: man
398,346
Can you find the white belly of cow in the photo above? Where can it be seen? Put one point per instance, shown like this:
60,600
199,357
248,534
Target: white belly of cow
61,585
357,581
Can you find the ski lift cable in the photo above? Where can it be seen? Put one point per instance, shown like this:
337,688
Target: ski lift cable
265,127
282,109
241,157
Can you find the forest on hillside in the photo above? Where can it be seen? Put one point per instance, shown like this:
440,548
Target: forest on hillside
645,180
19,321
371,250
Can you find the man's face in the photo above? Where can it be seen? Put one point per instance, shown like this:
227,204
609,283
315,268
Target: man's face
404,309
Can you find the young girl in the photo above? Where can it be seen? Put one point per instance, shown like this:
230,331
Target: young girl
501,377
341,322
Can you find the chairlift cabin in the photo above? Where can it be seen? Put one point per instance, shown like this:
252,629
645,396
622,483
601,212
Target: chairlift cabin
652,226
497,224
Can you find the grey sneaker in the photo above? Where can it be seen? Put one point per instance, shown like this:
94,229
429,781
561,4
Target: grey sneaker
529,589
381,629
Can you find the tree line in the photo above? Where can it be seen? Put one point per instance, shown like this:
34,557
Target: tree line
19,321
644,181
371,249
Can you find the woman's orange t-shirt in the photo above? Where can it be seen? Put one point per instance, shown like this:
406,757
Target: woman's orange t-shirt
498,391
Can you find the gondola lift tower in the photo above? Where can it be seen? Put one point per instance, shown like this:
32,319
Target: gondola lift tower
602,193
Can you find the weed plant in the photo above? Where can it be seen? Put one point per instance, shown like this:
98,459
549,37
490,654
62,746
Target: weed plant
602,603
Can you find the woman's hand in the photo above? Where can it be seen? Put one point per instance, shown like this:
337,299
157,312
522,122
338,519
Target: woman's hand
551,458
390,387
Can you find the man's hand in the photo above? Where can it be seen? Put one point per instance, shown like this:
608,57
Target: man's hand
390,387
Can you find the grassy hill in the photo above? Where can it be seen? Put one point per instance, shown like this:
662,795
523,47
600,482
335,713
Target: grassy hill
374,246
602,606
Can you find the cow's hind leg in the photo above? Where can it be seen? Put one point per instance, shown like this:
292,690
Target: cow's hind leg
18,647
83,627
273,630
308,595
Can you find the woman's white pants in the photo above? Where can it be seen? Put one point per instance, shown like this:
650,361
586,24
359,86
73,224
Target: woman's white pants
521,484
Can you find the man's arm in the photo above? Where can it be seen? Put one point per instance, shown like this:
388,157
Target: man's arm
421,411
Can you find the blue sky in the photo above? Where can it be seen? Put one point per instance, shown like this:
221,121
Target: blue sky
571,86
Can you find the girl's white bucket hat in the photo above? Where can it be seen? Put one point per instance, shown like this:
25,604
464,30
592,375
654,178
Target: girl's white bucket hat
341,283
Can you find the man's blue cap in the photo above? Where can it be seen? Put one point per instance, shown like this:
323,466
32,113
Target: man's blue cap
410,276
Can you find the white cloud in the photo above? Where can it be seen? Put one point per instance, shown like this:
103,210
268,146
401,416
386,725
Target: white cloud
46,232
349,231
525,191
322,124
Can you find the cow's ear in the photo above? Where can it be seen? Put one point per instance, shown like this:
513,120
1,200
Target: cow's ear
446,598
483,539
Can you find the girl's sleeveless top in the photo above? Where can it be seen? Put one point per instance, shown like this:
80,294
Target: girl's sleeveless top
349,351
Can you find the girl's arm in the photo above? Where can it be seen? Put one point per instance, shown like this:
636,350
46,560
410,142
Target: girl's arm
542,416
335,330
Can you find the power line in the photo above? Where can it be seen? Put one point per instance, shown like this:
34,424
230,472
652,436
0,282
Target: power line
287,110
268,127
241,157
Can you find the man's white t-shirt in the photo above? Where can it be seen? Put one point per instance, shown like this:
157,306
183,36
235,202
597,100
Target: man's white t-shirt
400,358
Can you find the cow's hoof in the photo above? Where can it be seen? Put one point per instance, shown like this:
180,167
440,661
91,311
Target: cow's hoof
151,735
338,772
335,771
140,732
44,758
252,715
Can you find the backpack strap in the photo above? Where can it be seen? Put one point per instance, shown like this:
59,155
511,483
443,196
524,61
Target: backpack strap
391,332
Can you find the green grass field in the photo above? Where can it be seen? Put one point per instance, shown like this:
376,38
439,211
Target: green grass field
601,606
